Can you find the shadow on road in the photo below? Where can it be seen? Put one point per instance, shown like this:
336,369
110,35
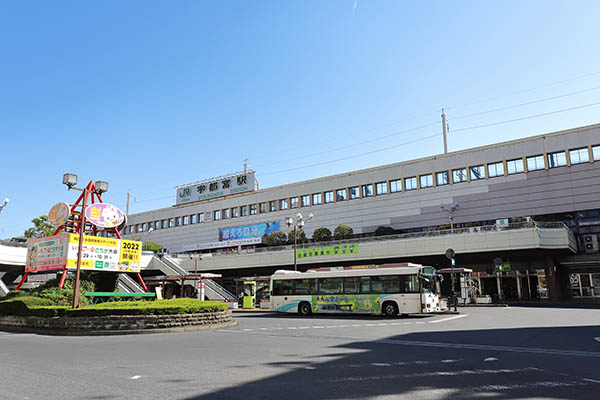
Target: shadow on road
557,363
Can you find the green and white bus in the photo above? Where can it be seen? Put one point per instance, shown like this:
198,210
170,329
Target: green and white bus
388,289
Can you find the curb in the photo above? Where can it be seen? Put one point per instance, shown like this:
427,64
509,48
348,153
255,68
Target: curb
66,332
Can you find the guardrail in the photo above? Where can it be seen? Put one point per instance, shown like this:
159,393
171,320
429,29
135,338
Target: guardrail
411,235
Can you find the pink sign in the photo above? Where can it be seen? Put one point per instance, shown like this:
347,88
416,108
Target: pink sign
104,215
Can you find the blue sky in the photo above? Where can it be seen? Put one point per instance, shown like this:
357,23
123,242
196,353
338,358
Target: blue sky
148,95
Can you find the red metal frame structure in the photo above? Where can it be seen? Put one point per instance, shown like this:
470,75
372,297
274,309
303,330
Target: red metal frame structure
89,192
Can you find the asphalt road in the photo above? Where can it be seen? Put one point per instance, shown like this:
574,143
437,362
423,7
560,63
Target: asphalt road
502,353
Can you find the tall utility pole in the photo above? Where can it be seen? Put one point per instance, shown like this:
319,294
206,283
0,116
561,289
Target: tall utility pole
128,197
445,130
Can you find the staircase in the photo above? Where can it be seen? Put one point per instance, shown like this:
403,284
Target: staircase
127,285
214,291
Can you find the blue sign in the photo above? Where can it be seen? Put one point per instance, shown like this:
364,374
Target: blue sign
248,231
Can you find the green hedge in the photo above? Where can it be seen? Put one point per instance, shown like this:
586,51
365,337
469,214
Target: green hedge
21,305
157,307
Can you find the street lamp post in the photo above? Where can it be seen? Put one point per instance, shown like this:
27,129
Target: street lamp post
450,210
4,203
298,223
70,180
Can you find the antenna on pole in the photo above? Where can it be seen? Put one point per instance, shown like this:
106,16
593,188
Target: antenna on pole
445,130
245,165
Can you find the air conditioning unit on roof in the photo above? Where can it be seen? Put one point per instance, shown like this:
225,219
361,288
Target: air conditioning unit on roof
590,243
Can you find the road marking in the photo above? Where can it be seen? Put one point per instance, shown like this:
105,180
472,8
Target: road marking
437,321
597,339
449,361
491,359
136,377
247,330
488,388
381,364
310,368
590,380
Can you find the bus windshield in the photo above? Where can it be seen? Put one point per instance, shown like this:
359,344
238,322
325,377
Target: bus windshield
428,284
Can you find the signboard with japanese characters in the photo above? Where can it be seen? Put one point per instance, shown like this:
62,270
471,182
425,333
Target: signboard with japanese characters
248,231
216,187
327,251
98,254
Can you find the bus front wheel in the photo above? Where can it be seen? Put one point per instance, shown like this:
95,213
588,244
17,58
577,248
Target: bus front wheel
390,309
304,308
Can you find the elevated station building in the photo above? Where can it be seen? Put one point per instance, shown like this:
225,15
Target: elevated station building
524,215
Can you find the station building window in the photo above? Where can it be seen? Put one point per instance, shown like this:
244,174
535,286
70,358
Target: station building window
193,218
535,163
477,172
579,156
177,221
514,166
367,190
329,197
243,211
354,193
410,183
442,178
293,202
272,206
380,188
252,209
163,224
316,198
426,181
226,213
262,208
235,212
171,222
156,225
200,218
305,200
396,186
217,215
185,219
340,195
496,169
596,153
459,175
558,159
283,204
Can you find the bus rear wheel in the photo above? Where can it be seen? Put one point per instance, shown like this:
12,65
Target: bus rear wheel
304,308
390,309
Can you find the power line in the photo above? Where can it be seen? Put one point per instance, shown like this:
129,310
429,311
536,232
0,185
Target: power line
524,90
526,103
524,118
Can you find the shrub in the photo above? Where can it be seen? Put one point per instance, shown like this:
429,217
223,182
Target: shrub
48,311
384,230
157,307
300,236
276,238
21,305
321,234
342,232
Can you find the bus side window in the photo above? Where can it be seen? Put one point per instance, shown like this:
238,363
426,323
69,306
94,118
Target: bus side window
277,287
305,286
390,284
287,287
409,284
365,284
376,284
351,285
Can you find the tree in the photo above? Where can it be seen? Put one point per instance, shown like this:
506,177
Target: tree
152,246
342,232
321,234
300,236
276,238
384,230
41,228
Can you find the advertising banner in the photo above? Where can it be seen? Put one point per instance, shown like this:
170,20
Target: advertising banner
221,244
98,254
104,215
248,231
327,251
349,303
217,187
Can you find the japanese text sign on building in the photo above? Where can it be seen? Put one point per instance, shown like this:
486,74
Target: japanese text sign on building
216,187
248,231
327,251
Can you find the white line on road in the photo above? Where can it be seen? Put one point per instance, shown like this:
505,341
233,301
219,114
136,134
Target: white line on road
590,380
437,321
491,359
597,339
136,377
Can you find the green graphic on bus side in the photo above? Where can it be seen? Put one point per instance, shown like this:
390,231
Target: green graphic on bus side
347,303
327,251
